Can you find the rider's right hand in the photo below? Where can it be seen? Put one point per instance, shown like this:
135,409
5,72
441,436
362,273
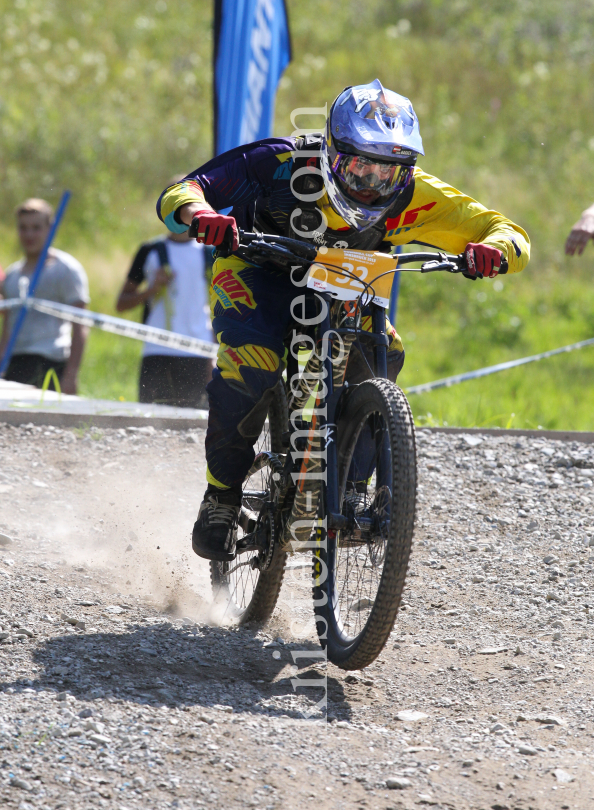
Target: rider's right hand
210,228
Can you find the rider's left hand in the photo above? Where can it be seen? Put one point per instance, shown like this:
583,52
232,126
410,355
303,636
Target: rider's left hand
482,261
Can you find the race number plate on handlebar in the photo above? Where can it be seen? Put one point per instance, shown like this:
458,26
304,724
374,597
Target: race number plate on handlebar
347,274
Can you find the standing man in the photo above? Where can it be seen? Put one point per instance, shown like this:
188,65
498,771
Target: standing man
44,341
582,231
175,269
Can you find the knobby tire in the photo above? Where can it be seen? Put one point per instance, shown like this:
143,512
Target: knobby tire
382,397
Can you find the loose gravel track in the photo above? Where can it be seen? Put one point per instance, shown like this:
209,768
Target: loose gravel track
118,690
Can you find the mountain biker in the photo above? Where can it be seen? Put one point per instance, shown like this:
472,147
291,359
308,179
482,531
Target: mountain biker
356,185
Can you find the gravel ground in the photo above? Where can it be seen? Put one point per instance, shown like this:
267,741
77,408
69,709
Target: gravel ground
117,690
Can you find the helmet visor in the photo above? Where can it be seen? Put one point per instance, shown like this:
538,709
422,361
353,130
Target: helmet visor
370,181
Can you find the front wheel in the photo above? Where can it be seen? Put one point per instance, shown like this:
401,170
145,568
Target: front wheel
359,571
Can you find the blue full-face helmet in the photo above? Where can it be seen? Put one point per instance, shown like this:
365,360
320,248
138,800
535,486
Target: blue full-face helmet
369,152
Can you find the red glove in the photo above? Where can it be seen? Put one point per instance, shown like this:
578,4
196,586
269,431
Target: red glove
482,261
210,228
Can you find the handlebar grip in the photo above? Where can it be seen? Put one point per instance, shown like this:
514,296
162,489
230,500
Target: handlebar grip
193,228
504,267
225,249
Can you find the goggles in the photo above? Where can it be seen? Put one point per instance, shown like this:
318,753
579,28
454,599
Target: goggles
360,173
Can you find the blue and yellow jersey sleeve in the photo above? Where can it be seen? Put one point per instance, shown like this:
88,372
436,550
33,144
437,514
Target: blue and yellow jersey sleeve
443,217
234,179
259,175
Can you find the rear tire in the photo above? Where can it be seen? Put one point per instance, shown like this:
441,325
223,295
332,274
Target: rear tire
246,594
359,572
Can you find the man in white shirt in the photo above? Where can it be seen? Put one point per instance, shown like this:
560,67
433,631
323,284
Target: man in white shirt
44,341
175,270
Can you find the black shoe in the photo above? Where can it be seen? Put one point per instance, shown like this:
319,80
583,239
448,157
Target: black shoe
214,536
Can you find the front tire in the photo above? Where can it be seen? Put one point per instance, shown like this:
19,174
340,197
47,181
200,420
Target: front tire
359,571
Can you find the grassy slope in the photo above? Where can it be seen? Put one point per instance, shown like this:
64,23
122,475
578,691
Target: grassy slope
111,100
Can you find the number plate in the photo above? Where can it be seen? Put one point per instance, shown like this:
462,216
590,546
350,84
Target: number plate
363,268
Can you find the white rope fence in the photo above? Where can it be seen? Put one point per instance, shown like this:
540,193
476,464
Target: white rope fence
446,382
203,348
118,326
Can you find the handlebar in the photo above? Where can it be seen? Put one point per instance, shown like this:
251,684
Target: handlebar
287,252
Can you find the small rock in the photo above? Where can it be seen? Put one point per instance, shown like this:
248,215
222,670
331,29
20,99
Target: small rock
20,783
449,641
397,782
351,678
532,526
130,547
550,559
85,713
100,739
492,650
500,786
562,776
95,726
497,727
528,750
139,782
556,636
191,438
471,441
68,619
410,716
27,631
62,696
5,540
550,720
361,604
478,578
81,626
114,609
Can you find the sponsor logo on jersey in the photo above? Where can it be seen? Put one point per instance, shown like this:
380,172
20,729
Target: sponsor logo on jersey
516,248
396,225
231,290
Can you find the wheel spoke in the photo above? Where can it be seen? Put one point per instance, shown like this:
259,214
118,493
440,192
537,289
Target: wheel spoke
358,565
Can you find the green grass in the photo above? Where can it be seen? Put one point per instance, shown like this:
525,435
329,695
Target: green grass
450,326
110,367
111,100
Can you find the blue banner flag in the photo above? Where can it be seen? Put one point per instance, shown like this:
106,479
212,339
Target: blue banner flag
252,47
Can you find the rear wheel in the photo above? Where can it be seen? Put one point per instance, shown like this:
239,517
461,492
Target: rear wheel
359,572
247,588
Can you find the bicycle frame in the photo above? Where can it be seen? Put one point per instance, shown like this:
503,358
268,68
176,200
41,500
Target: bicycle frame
335,335
339,278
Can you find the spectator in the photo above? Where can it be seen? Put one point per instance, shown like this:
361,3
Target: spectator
175,297
582,231
44,341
